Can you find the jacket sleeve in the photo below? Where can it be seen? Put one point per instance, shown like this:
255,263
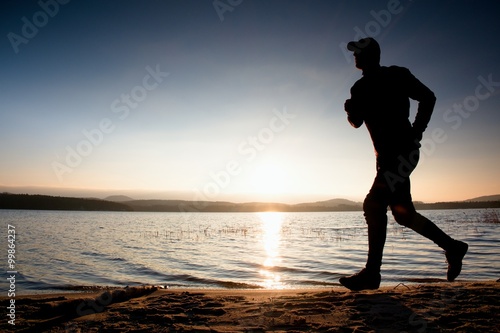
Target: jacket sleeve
426,101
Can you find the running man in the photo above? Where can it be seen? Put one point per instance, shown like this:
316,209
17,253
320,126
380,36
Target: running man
380,100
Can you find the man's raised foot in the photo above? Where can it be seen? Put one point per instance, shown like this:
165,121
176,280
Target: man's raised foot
454,257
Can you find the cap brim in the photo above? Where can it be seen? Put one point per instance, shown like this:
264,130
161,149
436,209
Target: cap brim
351,46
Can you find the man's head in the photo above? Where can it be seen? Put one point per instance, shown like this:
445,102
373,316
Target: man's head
366,53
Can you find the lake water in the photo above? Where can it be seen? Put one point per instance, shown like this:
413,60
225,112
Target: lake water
66,250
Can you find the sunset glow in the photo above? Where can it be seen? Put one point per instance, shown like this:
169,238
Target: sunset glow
245,105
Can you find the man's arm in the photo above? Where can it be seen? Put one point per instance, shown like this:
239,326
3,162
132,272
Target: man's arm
424,113
426,101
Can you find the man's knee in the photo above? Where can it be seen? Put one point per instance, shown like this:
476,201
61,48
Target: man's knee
374,209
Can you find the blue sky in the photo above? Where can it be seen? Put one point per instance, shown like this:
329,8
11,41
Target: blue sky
237,100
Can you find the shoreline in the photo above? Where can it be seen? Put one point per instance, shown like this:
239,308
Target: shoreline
447,307
74,291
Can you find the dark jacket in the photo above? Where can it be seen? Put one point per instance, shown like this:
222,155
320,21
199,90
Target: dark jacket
380,99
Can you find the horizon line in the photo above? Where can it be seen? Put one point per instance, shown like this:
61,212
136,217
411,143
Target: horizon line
2,190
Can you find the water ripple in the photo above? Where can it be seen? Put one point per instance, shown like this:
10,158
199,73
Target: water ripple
60,250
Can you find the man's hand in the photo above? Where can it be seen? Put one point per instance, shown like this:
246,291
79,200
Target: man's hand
417,137
349,106
354,107
353,113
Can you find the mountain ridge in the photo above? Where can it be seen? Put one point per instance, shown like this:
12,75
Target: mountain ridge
494,197
118,198
44,202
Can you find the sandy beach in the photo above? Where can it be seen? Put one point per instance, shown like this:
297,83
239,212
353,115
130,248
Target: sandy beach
431,307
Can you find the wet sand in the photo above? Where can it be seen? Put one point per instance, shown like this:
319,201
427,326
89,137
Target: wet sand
428,307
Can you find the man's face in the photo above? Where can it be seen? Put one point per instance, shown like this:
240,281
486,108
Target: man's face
359,60
364,60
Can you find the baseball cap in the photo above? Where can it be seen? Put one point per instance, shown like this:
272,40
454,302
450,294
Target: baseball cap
364,45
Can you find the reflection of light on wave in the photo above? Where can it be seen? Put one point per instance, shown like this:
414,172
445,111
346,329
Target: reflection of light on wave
271,237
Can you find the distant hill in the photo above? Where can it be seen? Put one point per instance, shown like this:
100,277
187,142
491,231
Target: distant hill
495,197
118,198
333,204
458,205
46,202
204,206
223,206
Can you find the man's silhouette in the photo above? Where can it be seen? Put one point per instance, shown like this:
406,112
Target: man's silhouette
380,99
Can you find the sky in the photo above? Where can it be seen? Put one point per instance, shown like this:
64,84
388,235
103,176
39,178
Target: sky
237,100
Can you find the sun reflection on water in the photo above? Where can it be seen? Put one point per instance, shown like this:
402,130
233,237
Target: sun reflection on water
271,239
